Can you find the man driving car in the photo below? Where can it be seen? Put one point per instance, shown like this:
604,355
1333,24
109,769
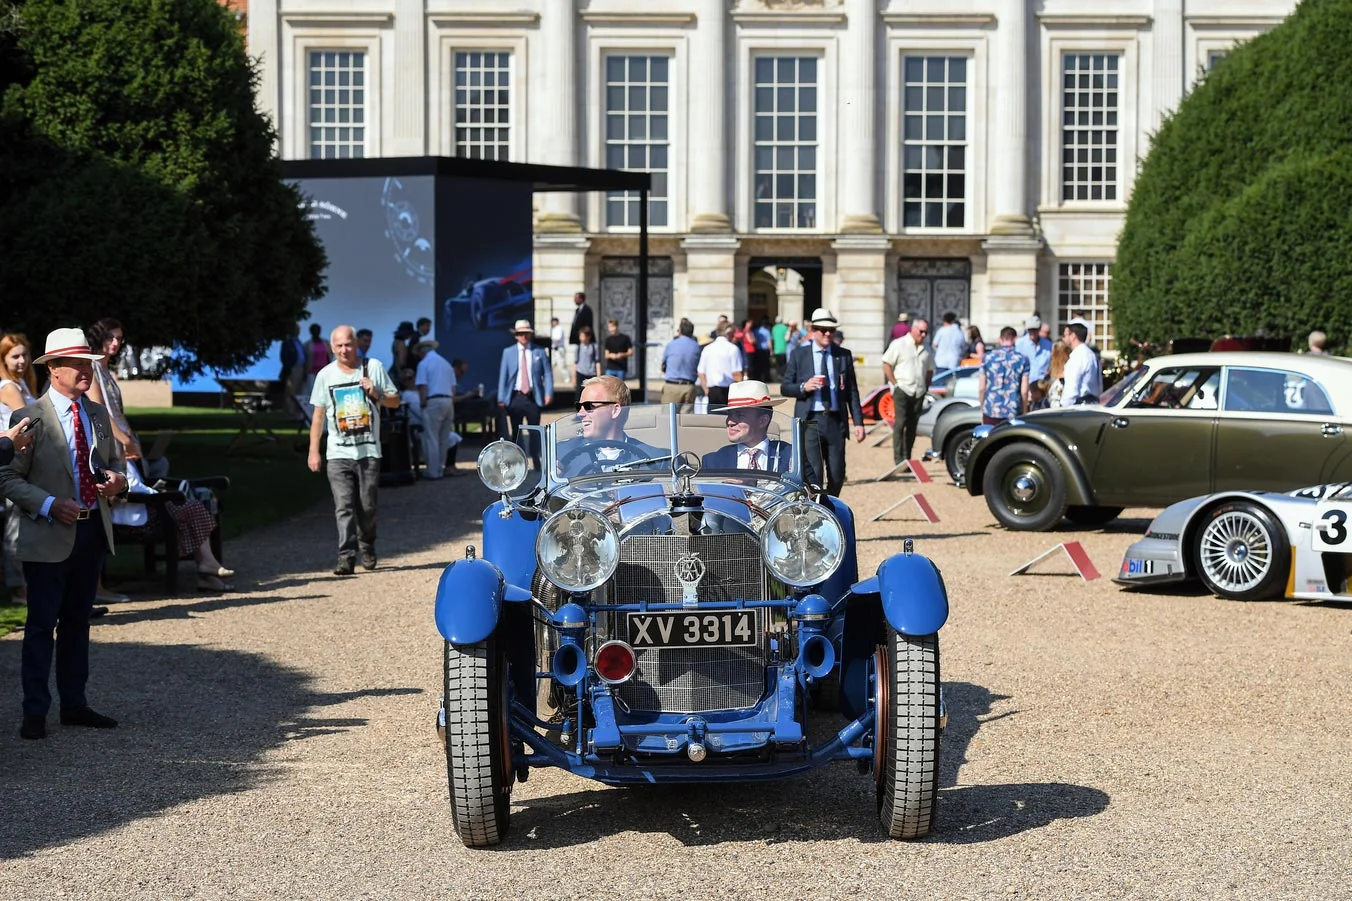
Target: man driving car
603,446
748,413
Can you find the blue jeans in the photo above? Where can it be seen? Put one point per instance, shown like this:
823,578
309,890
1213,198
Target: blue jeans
618,373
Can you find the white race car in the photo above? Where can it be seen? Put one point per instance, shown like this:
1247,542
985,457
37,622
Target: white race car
1248,545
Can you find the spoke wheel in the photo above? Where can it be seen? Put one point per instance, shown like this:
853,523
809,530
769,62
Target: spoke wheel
1025,487
957,449
1242,552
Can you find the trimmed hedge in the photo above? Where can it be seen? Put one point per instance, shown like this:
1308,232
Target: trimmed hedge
1241,216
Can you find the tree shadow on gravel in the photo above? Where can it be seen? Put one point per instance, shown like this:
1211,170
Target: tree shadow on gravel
834,802
918,536
195,723
121,615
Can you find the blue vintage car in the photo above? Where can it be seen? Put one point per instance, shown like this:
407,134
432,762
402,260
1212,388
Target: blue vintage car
640,615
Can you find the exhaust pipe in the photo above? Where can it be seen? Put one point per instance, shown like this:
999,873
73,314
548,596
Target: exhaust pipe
569,664
817,657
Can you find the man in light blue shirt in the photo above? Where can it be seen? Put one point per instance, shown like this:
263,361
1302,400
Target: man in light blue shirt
680,366
1038,350
947,343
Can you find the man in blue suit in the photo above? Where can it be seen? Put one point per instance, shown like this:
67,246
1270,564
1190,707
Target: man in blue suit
748,413
525,385
821,376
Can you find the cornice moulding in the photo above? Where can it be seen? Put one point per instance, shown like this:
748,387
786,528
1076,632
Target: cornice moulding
337,18
1090,21
634,17
483,17
1234,21
786,17
973,20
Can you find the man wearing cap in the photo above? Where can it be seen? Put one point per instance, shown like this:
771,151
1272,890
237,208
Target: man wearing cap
1038,351
908,369
903,325
60,483
525,385
680,367
748,412
821,376
435,379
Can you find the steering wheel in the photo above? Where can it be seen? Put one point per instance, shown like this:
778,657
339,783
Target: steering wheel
589,449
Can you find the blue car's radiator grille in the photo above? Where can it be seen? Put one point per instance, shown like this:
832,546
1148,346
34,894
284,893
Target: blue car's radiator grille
691,680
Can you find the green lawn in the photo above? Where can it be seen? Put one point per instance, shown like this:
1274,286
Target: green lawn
268,480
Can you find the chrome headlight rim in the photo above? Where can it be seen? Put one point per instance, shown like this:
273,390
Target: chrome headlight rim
608,563
502,457
799,508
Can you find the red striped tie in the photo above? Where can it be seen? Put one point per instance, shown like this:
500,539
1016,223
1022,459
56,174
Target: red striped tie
89,494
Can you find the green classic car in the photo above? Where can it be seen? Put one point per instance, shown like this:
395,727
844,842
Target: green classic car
1180,426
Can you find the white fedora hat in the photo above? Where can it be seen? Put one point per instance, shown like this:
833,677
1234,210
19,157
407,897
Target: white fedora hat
824,317
749,393
522,325
68,342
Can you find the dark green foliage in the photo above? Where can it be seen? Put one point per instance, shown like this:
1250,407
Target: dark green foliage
137,180
1241,216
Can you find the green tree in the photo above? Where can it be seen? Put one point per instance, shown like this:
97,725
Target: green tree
1241,215
138,180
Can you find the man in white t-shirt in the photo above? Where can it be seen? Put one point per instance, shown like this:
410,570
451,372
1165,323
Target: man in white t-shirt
349,392
1083,377
435,379
720,364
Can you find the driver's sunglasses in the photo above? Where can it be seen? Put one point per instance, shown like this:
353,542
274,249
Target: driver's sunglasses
588,406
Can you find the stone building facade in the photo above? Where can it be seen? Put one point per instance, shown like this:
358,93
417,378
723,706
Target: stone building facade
872,156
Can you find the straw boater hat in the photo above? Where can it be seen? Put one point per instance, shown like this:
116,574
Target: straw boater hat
824,318
522,325
68,342
749,393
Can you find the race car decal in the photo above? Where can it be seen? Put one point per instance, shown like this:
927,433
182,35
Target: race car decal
1134,567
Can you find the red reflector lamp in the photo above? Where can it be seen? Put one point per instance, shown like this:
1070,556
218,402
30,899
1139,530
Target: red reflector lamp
614,662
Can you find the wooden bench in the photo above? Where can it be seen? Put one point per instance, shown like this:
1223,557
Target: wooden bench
159,536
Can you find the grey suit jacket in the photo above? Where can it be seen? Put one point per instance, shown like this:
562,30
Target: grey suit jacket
44,471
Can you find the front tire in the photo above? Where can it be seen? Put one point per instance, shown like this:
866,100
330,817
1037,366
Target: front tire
957,449
1242,552
1025,487
478,751
906,747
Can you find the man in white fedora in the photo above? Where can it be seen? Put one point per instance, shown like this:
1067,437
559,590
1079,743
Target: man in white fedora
63,489
750,447
525,385
821,376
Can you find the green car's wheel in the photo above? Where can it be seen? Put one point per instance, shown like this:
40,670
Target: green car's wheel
1242,552
906,737
478,750
957,449
1025,487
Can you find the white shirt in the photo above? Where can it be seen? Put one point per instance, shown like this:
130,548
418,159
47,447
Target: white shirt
437,374
718,361
762,455
1082,376
911,365
556,336
822,396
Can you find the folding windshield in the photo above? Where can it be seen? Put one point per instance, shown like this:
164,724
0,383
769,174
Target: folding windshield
643,439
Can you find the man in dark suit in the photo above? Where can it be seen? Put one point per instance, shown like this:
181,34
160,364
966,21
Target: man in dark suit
64,533
821,376
582,316
750,447
525,385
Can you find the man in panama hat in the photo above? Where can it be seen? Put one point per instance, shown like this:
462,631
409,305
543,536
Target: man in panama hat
749,413
525,385
821,375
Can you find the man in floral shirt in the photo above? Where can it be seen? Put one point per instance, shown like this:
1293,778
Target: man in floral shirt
1003,383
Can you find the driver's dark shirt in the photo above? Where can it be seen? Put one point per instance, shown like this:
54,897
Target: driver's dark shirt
585,463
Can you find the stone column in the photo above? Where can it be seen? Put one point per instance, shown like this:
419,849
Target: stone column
860,295
858,117
556,113
708,120
1168,78
711,279
1011,120
263,42
409,131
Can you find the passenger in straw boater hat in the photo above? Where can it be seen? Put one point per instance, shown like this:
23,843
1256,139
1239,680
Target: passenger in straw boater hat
821,376
61,483
749,413
525,385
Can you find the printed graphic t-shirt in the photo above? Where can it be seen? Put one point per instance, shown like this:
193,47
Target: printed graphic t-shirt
353,420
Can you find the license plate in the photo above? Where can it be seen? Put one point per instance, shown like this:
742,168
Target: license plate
723,629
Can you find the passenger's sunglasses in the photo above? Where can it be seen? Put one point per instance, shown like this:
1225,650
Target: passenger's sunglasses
824,331
589,406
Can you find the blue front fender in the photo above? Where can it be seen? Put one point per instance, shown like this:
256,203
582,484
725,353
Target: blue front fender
469,601
913,596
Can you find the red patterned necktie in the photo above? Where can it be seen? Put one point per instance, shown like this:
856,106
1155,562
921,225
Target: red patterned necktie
751,458
89,495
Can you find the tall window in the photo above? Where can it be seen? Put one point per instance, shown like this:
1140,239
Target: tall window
337,104
482,104
1215,56
1089,95
638,134
1083,291
785,137
934,142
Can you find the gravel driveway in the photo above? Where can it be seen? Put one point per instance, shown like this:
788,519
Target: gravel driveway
279,742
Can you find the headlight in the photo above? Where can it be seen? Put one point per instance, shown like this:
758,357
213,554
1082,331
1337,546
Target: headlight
578,549
502,466
803,544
